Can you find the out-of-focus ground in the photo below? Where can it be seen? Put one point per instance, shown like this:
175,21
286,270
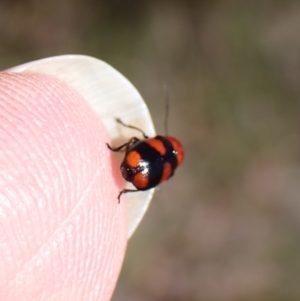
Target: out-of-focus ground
227,226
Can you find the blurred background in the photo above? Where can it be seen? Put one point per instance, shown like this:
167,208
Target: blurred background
227,226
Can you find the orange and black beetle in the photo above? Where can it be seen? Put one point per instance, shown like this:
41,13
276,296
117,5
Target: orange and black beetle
150,161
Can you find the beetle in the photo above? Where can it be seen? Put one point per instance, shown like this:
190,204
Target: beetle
149,161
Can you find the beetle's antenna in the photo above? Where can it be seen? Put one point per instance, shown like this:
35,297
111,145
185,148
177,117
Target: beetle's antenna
131,127
166,108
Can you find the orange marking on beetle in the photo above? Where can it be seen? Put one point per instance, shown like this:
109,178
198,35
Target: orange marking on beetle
133,158
140,181
157,145
167,171
178,148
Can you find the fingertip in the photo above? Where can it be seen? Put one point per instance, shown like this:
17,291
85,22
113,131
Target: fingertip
61,182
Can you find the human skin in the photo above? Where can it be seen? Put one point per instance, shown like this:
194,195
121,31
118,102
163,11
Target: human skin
62,232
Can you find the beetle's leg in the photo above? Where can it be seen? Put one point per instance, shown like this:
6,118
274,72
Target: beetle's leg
126,191
131,127
119,148
124,146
